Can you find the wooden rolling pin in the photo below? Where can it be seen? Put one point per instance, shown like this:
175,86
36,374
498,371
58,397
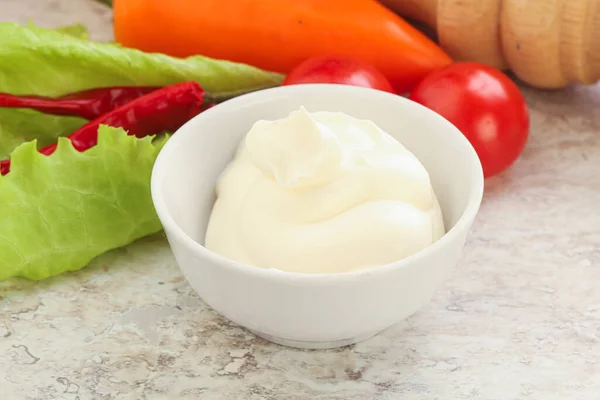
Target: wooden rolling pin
546,43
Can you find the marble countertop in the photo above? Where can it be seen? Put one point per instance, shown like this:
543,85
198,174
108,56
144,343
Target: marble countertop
519,317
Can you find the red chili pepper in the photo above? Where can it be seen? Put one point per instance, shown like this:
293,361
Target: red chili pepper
89,104
164,109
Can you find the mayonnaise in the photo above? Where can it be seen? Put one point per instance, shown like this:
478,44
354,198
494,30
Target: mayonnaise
322,193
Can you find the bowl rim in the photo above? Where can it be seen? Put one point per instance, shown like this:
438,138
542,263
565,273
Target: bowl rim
169,224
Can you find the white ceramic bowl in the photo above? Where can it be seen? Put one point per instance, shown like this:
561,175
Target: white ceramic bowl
304,310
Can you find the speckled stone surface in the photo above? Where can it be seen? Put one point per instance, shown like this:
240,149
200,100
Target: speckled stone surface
519,318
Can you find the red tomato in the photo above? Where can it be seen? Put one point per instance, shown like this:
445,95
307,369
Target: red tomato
338,69
485,105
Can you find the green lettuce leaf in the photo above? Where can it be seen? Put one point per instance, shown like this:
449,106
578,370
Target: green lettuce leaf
21,125
49,62
58,212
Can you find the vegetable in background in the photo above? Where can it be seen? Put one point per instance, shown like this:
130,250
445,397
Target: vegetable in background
279,34
58,212
162,110
88,104
45,62
340,70
485,105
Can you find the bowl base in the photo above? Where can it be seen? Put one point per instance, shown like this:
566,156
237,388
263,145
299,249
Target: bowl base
300,344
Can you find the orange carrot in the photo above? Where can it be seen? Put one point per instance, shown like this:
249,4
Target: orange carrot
279,34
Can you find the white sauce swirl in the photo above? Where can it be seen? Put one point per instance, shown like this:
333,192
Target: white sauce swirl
322,193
